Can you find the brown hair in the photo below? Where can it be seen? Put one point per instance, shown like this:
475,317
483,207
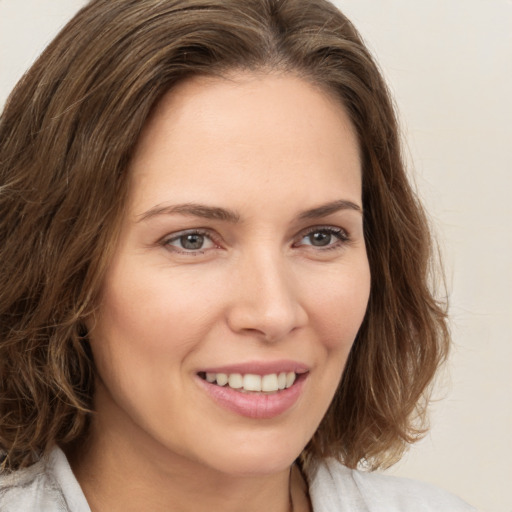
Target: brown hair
66,137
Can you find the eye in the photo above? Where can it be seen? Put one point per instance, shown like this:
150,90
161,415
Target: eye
189,242
324,237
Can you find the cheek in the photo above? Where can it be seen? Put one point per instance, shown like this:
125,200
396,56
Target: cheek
336,312
153,314
337,309
143,335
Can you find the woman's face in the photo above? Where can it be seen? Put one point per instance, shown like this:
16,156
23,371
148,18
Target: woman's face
241,258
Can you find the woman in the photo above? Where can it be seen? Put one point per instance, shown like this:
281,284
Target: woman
215,283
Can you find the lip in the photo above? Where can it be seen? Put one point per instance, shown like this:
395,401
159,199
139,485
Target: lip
256,405
260,367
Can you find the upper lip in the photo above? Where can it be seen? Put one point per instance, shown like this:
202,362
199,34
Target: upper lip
259,367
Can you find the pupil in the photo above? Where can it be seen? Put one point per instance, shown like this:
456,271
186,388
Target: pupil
192,242
321,238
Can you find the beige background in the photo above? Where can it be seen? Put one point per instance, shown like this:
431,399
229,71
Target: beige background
449,64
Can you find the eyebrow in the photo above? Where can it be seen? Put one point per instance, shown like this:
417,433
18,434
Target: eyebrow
192,209
329,209
225,214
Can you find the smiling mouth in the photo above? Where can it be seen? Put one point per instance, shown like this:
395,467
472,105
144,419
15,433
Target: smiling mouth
252,383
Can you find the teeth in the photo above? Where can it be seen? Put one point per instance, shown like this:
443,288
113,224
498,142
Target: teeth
235,381
250,382
221,379
281,380
290,379
269,382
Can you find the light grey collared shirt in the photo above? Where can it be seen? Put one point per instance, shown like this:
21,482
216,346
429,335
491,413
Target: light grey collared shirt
50,486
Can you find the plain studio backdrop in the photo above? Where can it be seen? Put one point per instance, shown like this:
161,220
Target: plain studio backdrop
449,65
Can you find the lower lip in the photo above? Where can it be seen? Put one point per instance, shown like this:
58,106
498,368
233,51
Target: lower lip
255,405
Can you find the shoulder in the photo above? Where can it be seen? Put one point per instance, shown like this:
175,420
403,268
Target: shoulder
48,485
334,487
30,489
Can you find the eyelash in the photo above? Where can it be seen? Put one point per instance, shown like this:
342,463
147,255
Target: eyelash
166,242
339,233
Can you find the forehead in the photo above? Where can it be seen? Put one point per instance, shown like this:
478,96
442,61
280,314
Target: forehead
245,131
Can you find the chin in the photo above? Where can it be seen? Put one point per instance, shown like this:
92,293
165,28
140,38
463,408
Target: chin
250,456
255,464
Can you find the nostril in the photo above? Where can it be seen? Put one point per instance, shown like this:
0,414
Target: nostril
268,324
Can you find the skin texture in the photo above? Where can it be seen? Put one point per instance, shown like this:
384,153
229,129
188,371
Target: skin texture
267,148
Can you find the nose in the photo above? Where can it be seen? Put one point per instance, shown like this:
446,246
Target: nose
265,298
